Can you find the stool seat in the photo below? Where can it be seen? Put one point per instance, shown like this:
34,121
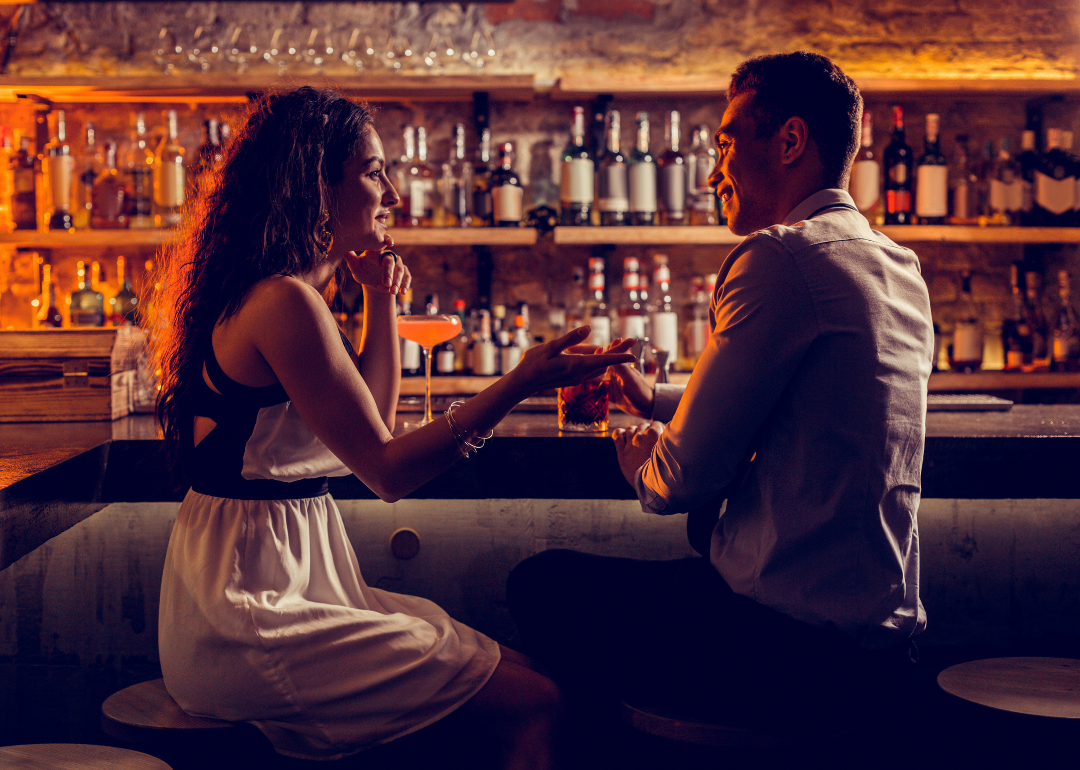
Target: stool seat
144,711
76,756
694,731
1043,687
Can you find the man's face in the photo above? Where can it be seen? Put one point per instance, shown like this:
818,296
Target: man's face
746,173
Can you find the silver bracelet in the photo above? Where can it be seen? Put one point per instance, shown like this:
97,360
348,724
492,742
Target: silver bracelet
468,442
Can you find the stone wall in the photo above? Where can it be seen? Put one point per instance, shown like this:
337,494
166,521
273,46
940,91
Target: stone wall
552,38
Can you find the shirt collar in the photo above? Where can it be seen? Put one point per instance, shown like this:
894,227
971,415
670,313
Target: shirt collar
820,199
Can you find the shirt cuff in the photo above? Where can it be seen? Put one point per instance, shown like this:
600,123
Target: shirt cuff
666,399
650,501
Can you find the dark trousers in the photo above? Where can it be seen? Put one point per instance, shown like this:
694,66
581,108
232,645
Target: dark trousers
672,635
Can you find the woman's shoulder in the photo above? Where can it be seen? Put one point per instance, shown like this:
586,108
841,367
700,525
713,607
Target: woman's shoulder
283,297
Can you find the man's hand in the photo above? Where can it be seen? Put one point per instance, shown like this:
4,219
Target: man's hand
634,447
630,391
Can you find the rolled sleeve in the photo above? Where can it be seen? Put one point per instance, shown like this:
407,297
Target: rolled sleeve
760,313
666,399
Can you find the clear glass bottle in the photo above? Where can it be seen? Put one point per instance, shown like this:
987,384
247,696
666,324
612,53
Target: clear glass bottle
209,156
139,169
966,351
169,176
412,364
483,352
632,317
663,320
421,183
701,199
898,177
24,212
613,188
483,213
1066,351
695,324
865,184
962,183
87,303
109,195
576,182
60,173
596,307
84,198
400,176
124,307
932,181
507,194
642,174
50,314
456,182
1006,195
671,168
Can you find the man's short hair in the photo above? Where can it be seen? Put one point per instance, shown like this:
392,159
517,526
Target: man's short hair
809,86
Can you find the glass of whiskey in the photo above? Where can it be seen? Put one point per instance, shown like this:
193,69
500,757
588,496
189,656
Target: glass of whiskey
584,407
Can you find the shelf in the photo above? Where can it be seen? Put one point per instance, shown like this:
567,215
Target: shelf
658,235
218,88
586,86
463,236
972,234
981,382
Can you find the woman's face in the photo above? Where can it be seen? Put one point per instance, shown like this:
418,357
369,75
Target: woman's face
361,202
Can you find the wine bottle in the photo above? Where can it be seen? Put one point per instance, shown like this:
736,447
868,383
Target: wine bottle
632,317
642,176
966,353
1015,332
865,184
962,182
84,198
700,160
169,176
671,167
1028,160
663,321
412,364
596,306
456,182
576,182
1036,319
614,183
60,173
932,182
1066,351
507,194
483,212
898,163
1055,184
423,201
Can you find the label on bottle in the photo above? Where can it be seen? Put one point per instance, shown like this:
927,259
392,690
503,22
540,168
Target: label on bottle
484,358
1054,195
601,331
633,327
576,185
866,184
416,198
932,191
697,336
643,187
24,180
61,172
897,200
507,201
169,184
673,187
999,195
510,357
961,201
967,342
410,355
665,331
898,173
444,360
614,188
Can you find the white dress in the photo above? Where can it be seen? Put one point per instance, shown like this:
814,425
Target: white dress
264,614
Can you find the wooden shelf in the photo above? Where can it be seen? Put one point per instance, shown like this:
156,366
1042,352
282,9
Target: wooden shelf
658,235
463,236
219,88
981,382
966,234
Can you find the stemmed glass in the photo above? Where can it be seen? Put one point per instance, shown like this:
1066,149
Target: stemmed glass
427,331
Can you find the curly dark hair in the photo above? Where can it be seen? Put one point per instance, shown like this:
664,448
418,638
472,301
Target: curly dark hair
812,87
260,213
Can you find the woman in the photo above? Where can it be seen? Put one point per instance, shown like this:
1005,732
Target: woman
264,616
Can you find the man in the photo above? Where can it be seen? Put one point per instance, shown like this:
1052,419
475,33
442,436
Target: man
816,370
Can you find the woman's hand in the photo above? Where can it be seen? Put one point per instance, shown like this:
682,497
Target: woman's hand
382,270
553,365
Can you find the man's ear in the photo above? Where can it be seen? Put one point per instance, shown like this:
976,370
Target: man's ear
795,136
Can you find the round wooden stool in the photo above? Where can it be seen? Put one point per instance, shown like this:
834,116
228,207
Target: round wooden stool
145,713
76,756
1038,687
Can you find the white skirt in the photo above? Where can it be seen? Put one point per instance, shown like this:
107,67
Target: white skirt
265,618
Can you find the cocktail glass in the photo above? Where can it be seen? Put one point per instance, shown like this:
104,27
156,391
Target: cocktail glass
427,331
584,407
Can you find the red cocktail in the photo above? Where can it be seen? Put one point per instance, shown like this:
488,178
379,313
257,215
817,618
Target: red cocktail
584,407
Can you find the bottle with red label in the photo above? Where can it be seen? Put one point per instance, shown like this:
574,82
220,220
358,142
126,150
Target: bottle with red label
898,177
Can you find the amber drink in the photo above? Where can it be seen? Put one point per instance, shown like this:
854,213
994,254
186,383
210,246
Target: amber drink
584,407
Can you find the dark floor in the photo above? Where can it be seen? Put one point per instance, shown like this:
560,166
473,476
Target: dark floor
60,704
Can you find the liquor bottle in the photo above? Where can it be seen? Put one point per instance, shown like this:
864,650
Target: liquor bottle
483,353
401,177
60,173
1006,193
209,156
442,355
984,177
461,342
898,161
412,364
456,183
7,187
84,198
1054,184
966,352
642,174
24,184
500,334
425,204
49,314
962,183
1036,319
701,199
1066,353
483,212
1015,332
1074,171
139,168
1028,160
123,307
169,176
507,194
576,183
671,166
932,182
576,298
109,195
614,183
865,185
632,315
695,324
87,303
664,321
596,305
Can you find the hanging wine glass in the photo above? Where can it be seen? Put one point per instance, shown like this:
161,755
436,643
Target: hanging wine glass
275,55
351,53
240,50
203,49
168,52
482,51
319,48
